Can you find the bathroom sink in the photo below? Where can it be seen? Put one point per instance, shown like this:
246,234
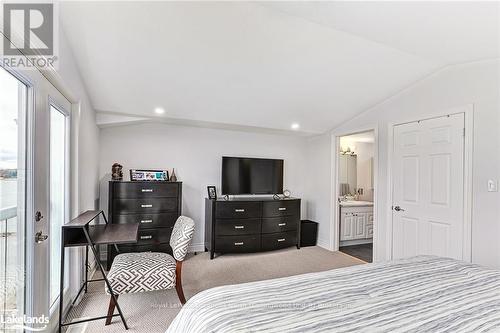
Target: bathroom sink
353,203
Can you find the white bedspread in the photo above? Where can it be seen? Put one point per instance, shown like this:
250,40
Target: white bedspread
420,294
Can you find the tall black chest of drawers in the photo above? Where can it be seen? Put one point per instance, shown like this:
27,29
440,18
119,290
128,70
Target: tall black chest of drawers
154,205
251,225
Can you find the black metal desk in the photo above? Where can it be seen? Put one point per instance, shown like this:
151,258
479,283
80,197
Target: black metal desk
79,232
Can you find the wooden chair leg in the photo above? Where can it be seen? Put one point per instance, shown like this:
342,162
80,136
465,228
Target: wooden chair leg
111,309
178,282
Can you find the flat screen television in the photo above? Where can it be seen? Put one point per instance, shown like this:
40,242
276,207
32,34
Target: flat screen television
241,175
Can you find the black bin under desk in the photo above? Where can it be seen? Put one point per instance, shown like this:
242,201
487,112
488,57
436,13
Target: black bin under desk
308,233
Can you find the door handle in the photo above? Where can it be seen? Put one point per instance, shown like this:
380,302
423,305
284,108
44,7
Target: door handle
147,206
398,209
39,237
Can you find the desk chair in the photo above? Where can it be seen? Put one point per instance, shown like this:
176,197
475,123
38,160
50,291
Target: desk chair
149,271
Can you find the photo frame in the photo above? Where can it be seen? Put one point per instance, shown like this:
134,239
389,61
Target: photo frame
149,175
212,192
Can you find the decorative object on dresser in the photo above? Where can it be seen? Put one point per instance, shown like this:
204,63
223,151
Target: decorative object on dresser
173,177
251,225
150,271
116,171
149,175
212,192
154,205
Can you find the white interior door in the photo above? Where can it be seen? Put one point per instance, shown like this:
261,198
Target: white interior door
428,187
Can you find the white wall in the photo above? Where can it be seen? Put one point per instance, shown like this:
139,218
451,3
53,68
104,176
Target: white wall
318,185
196,154
476,83
85,133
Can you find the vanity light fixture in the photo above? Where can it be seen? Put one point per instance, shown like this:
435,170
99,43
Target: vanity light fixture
347,151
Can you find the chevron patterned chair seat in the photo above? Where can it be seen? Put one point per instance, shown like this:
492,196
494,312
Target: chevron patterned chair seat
149,271
142,271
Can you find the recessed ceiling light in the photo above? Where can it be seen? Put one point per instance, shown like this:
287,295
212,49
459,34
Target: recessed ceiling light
159,110
295,126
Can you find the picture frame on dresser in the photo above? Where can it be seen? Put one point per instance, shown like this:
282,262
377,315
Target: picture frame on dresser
155,205
149,175
212,192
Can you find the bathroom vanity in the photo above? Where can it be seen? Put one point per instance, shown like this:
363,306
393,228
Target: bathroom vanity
356,222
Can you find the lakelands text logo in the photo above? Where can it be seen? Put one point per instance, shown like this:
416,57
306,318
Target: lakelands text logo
33,324
29,35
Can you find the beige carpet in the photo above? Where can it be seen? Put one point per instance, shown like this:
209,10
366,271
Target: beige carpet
152,312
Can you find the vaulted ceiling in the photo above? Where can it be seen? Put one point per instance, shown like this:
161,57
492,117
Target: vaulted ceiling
267,64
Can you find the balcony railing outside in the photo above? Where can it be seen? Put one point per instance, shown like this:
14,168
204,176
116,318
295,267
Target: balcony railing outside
9,270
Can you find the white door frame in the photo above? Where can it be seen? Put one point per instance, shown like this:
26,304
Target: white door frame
335,207
468,111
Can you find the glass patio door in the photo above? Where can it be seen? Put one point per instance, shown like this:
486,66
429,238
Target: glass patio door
34,198
51,198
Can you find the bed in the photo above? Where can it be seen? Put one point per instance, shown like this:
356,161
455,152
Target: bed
419,294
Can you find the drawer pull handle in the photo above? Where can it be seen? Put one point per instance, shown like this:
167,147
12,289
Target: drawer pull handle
146,237
147,190
281,239
239,227
146,221
281,224
238,243
147,206
282,208
239,210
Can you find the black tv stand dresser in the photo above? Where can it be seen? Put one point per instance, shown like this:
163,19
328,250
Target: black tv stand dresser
251,224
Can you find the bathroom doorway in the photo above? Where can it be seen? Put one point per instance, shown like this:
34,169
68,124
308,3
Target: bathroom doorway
356,192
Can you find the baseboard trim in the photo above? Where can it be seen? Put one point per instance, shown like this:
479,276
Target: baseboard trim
356,242
198,247
323,244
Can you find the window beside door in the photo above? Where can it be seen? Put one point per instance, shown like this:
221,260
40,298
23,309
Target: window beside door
58,184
